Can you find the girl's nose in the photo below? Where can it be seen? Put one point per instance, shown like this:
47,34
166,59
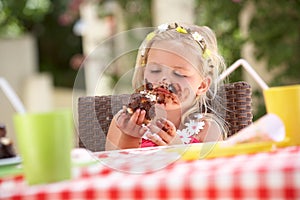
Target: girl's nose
165,75
165,80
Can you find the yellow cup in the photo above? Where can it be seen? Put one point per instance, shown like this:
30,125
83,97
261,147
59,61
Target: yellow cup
284,101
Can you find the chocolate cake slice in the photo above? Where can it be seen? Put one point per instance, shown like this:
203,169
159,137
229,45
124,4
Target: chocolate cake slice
2,131
6,148
147,96
6,144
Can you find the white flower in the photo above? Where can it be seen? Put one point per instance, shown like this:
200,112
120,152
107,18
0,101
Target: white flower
184,136
197,36
185,140
143,51
194,127
162,28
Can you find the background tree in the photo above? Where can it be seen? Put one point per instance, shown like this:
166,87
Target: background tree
223,18
54,34
275,31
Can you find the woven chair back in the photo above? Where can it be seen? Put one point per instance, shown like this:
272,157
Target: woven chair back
96,112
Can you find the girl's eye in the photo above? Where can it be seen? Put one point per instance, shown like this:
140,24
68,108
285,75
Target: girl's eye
177,73
155,70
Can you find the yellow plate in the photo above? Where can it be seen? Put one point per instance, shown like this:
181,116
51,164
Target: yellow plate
213,150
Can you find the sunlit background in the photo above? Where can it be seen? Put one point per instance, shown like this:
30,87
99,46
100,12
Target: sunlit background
43,43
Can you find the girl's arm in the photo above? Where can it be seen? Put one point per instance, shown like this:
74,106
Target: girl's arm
113,136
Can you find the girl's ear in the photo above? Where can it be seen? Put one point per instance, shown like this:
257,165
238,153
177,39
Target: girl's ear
203,87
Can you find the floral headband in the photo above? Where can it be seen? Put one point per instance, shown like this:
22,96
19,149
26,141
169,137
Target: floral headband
195,35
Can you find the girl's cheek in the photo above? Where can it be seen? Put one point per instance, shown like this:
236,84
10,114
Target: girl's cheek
150,77
185,94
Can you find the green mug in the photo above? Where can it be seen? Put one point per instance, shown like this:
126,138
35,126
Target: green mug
45,141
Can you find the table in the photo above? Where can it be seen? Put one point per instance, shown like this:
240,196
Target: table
158,173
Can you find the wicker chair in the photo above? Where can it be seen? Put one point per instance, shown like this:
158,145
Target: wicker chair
96,112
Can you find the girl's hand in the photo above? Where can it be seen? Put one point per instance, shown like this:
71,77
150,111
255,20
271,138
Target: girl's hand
132,125
163,133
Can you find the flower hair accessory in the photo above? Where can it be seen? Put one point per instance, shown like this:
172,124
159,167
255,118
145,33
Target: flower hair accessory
195,35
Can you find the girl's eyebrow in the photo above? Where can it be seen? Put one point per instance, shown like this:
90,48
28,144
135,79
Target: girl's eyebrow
180,67
175,66
155,63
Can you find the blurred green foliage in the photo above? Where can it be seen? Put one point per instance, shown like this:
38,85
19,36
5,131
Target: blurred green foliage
137,13
19,16
56,43
223,18
275,31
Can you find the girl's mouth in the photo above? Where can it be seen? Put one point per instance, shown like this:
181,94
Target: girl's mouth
168,93
163,90
165,93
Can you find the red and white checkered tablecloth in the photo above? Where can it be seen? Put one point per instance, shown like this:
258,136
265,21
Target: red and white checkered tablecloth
273,175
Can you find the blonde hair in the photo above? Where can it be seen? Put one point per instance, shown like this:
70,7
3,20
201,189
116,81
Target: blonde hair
210,66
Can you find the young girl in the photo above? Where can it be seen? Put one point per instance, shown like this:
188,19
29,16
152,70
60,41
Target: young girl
186,56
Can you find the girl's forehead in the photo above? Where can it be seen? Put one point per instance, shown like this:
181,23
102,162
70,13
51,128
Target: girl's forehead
175,52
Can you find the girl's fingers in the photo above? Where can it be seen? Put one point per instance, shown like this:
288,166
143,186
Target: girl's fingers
134,117
159,124
143,130
121,120
162,134
138,117
141,117
166,126
131,124
156,139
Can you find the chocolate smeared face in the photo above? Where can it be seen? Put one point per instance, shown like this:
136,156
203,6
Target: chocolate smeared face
167,93
177,68
172,77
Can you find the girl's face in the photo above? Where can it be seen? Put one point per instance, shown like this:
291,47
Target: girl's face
172,62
